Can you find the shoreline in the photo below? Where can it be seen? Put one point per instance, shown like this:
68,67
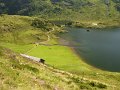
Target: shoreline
61,57
61,40
80,58
83,61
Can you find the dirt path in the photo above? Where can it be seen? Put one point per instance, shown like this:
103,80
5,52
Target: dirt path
48,36
31,49
44,42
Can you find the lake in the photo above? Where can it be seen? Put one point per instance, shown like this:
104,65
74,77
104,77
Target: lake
98,47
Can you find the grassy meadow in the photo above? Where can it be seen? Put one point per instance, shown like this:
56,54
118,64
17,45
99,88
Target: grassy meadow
61,57
18,73
64,58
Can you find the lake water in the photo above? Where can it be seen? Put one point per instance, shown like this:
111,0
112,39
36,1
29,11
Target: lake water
99,48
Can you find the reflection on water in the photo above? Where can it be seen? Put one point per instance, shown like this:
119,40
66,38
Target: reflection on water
100,48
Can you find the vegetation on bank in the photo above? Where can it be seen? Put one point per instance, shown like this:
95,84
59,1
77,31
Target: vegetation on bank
113,23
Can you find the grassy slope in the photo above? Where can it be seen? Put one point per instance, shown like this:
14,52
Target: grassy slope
22,74
63,9
63,58
82,12
58,56
18,29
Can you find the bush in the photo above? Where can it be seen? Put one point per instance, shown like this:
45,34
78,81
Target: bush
39,23
85,86
101,86
98,85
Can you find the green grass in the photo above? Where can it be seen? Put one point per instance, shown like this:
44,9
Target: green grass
17,48
60,57
19,29
64,58
17,73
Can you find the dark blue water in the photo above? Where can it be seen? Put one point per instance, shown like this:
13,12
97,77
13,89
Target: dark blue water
99,48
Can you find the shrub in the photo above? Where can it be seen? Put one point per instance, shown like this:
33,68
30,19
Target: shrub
101,86
98,85
39,23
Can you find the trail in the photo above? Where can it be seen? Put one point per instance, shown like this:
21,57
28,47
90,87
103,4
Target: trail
48,36
44,42
31,49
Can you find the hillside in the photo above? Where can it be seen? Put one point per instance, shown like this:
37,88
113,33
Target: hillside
79,13
25,30
19,73
72,9
18,36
